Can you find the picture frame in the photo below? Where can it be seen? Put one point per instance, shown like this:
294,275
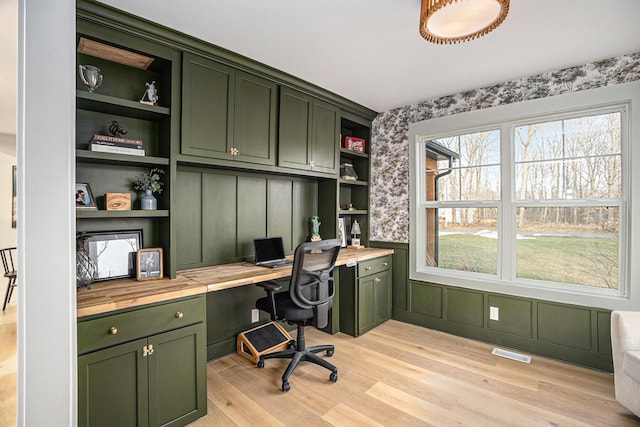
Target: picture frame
149,264
342,235
113,252
84,197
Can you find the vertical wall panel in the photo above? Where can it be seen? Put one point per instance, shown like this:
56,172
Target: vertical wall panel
305,205
252,213
280,211
465,307
426,299
567,326
218,218
604,332
515,315
189,235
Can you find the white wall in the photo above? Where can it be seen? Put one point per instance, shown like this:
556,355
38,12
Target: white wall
7,160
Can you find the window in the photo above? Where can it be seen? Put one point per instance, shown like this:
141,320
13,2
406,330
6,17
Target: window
524,200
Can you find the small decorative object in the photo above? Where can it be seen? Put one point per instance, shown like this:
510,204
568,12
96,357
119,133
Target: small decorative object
315,228
117,201
149,264
85,268
347,172
354,144
355,232
342,233
149,183
350,207
84,197
150,95
116,130
91,76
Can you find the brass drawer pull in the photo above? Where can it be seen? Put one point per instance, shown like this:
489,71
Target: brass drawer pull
179,315
367,268
113,330
384,264
377,280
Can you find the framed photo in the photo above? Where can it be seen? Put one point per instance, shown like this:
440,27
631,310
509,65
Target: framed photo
84,197
113,252
149,264
341,232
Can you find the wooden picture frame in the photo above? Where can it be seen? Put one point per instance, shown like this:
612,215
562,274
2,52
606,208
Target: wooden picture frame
149,264
84,197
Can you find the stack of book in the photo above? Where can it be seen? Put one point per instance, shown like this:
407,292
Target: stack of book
114,144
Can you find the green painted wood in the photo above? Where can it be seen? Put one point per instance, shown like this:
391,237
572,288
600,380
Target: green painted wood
188,219
113,387
252,213
400,278
365,305
219,218
255,113
348,300
564,325
294,129
328,197
305,204
325,136
426,299
515,315
177,376
280,212
382,296
604,332
465,307
207,107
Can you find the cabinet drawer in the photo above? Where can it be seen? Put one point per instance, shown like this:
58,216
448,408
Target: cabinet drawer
98,333
373,266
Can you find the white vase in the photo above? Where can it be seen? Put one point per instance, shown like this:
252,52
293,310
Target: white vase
148,202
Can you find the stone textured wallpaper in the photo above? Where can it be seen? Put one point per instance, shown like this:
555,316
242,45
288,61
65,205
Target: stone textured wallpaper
390,148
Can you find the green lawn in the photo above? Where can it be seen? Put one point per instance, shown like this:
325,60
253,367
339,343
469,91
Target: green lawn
586,261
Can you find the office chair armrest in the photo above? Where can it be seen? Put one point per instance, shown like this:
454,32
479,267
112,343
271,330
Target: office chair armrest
270,286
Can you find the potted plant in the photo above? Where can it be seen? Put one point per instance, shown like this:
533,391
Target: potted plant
149,183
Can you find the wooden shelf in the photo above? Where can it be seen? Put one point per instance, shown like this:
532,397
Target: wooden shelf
119,107
122,214
86,156
353,212
353,154
350,182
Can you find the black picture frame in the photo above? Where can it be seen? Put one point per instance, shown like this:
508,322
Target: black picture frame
84,197
149,264
113,252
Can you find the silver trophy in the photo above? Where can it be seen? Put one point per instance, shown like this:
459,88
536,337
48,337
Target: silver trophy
91,76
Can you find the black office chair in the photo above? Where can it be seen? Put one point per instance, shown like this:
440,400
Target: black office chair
7,255
307,302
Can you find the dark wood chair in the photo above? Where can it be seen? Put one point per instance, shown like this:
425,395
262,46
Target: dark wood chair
8,256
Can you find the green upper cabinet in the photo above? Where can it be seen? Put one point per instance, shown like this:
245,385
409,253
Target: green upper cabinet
227,114
309,133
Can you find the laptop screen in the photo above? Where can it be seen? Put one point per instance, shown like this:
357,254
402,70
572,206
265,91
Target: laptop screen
268,249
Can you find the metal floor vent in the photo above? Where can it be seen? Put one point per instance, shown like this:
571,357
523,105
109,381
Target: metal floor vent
511,355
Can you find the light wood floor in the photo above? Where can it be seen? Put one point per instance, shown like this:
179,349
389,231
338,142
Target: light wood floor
395,375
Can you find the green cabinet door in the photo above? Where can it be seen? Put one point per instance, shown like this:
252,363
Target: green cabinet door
325,137
382,297
365,304
308,133
207,107
112,387
177,376
254,132
294,141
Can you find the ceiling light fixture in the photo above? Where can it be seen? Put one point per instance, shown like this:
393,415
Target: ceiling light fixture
453,21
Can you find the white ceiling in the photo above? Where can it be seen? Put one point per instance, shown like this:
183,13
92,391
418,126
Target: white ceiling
370,51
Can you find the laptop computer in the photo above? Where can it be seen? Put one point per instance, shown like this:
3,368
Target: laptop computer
270,252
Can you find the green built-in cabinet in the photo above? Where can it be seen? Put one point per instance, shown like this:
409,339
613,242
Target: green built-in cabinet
365,295
308,132
143,367
228,114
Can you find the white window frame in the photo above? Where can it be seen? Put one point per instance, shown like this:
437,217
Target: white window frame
625,98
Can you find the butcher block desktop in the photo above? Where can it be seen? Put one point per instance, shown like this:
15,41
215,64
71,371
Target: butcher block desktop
104,297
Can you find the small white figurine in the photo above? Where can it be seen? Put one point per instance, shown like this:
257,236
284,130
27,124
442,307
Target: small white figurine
151,94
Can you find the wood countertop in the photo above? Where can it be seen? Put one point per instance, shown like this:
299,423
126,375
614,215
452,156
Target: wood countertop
126,293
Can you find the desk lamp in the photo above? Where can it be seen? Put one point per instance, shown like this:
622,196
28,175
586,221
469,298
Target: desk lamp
355,231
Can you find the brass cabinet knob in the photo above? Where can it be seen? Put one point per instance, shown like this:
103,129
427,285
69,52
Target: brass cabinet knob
384,264
233,151
376,280
113,330
367,268
312,163
179,315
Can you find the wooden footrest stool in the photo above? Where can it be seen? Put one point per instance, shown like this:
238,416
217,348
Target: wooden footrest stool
262,339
